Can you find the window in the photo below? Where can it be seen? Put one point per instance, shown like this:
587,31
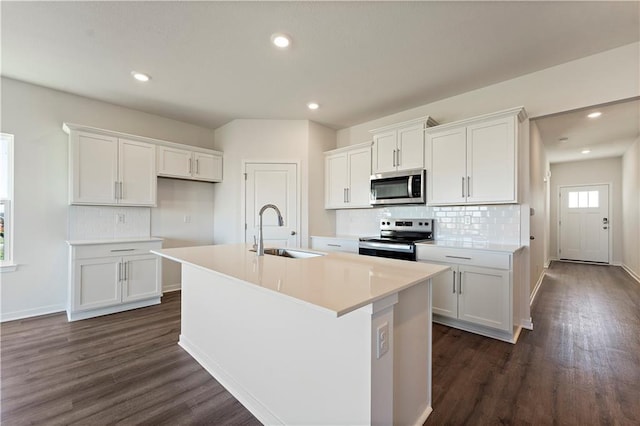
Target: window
6,198
583,199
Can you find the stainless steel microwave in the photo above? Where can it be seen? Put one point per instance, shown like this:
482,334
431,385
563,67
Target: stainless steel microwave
403,187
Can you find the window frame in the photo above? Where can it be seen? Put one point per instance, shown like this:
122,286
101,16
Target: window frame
7,264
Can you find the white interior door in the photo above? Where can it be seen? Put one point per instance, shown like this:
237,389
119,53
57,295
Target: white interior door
584,223
272,183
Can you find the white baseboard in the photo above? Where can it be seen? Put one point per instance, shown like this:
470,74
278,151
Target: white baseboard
171,287
631,272
534,293
423,417
28,313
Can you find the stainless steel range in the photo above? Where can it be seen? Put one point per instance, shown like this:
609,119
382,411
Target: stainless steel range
398,238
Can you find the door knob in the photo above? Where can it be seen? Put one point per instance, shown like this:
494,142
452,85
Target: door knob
604,227
293,232
531,237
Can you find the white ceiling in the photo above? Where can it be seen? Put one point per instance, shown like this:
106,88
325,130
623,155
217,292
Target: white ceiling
212,62
609,135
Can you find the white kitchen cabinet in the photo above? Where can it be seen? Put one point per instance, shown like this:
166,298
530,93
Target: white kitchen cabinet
347,173
400,146
475,161
479,294
107,170
111,277
176,162
343,244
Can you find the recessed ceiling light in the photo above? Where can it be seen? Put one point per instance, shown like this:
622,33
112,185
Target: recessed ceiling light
281,41
595,114
586,151
313,105
140,76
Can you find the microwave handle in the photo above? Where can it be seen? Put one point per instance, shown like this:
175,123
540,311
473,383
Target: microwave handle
410,186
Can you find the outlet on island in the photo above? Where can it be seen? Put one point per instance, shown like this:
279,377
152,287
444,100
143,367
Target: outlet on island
382,340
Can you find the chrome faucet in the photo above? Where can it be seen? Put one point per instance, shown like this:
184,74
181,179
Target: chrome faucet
260,248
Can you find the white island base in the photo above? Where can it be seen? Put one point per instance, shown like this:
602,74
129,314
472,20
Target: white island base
292,362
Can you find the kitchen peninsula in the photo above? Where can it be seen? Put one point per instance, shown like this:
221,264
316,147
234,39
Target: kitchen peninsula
330,339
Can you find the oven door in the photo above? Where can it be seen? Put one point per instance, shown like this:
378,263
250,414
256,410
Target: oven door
403,251
407,187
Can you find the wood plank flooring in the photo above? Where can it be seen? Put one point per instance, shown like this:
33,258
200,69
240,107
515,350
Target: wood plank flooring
579,366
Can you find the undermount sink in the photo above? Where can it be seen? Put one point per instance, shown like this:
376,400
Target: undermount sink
294,254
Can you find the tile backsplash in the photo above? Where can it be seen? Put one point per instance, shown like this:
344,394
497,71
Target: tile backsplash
492,223
102,222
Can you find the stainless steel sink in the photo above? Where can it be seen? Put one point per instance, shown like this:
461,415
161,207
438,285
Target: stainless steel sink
294,254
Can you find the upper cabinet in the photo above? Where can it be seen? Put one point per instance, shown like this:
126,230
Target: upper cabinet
400,146
107,170
205,165
475,161
347,173
112,168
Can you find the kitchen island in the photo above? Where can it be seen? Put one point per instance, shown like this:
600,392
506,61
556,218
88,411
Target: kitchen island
331,339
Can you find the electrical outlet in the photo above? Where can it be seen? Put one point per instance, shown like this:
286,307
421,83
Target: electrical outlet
382,340
119,218
187,219
467,220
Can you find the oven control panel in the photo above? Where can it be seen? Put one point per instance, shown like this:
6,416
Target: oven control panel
413,225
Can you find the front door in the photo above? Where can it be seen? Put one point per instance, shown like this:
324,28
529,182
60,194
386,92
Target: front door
584,223
272,183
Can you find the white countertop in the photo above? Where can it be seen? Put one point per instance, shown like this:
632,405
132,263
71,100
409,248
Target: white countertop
338,282
507,248
113,241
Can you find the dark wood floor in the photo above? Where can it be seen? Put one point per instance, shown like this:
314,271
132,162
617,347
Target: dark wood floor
579,366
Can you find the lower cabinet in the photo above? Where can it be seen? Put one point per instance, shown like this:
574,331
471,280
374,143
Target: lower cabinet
349,245
112,277
477,295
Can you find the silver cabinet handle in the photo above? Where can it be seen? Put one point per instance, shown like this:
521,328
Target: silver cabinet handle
458,257
397,157
197,166
454,282
121,191
190,166
117,250
348,196
462,186
394,158
333,245
115,190
119,271
468,187
126,271
344,195
460,282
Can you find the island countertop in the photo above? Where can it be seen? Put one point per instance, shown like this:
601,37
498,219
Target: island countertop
336,282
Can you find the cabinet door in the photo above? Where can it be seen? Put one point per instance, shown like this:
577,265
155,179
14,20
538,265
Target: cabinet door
137,170
384,152
445,293
359,178
174,162
448,169
96,283
141,277
207,167
336,181
484,297
410,146
94,168
491,161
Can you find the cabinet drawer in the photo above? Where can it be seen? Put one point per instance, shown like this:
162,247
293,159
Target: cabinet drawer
334,244
114,249
464,257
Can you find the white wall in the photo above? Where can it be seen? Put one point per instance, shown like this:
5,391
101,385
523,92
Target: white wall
272,141
601,171
605,77
35,115
631,209
538,196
